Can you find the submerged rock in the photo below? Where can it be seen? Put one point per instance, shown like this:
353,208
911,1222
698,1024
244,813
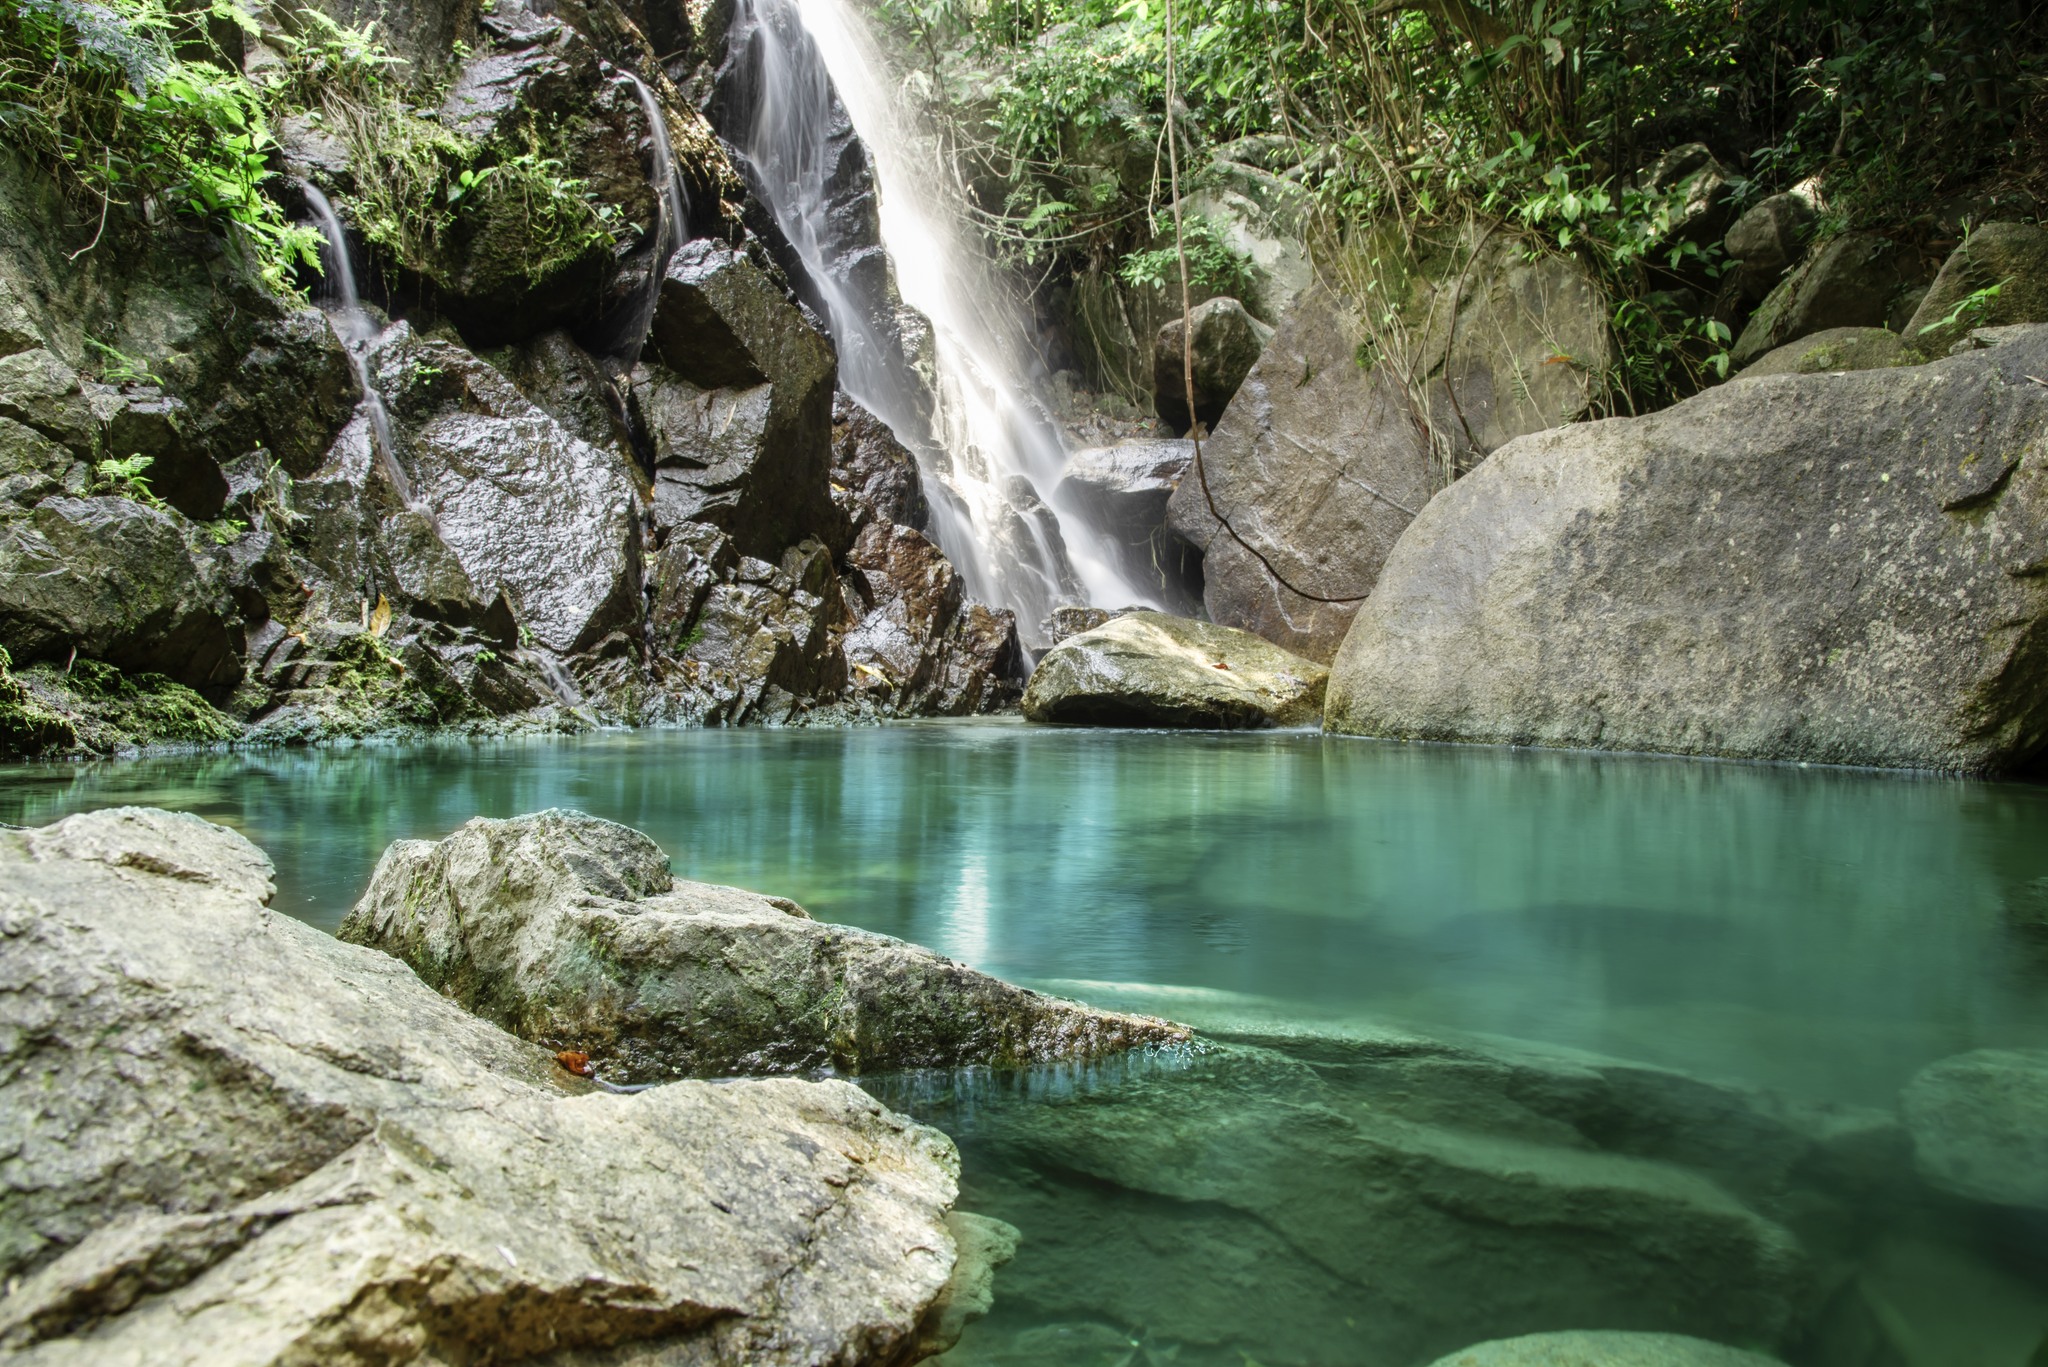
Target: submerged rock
1149,669
1845,569
234,1140
1603,1348
1979,1123
570,931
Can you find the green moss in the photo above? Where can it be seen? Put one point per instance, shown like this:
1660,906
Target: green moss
95,708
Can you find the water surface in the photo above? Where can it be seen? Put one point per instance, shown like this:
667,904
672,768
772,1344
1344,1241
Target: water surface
1790,937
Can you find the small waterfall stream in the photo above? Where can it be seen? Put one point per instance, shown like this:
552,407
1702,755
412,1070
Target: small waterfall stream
993,445
672,222
353,325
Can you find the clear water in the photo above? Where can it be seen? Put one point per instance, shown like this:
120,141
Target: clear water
1389,1148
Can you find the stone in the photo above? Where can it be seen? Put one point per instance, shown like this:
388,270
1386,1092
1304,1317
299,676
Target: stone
1227,343
116,580
1149,669
915,648
1124,489
1856,280
1837,568
1836,349
550,521
878,473
1319,467
357,1172
2011,258
1603,1348
571,932
742,419
1706,192
1979,1123
1771,234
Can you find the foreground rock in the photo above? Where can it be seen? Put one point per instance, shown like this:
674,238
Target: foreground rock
570,931
1847,569
1149,669
1603,1348
234,1140
1980,1126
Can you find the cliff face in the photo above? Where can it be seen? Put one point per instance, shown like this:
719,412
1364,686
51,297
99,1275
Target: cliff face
575,458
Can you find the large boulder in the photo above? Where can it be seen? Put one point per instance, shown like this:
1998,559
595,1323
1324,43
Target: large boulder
1227,343
550,521
1767,239
919,647
1836,568
116,580
1834,350
739,406
232,1139
1318,465
1858,280
1603,1348
1123,491
1149,669
1998,276
1979,1124
571,931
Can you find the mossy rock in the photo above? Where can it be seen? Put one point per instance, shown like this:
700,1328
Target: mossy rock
95,708
1837,350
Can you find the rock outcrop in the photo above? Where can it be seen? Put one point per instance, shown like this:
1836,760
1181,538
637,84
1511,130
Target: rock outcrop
570,931
1227,343
1979,1124
1837,568
1149,669
313,1157
1603,1348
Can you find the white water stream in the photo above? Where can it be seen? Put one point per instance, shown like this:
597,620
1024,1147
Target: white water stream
357,330
997,451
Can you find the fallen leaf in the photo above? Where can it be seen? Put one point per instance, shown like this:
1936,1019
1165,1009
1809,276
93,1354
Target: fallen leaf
573,1062
380,620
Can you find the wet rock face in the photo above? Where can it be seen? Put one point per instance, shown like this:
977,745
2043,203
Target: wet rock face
918,646
116,580
1227,343
740,409
1148,669
1837,568
571,932
1320,477
359,1172
526,509
1123,491
1979,1124
876,470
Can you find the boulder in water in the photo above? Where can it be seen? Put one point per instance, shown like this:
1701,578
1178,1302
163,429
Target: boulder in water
233,1139
1227,341
570,931
1603,1348
1845,569
1149,669
1979,1124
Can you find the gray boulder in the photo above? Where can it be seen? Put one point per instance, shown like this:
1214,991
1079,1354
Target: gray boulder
570,931
116,580
1227,343
1123,492
527,510
1603,1348
1704,187
1858,280
1149,669
1979,1124
739,406
1770,236
2011,258
1837,568
1318,474
1837,349
356,1171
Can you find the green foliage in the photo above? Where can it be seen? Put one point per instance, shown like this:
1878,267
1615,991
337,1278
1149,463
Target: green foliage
135,104
223,531
117,367
1213,264
125,478
1971,307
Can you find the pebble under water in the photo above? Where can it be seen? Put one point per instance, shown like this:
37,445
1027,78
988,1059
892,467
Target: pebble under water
1495,1042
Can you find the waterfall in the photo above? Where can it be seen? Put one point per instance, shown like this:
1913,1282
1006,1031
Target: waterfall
353,325
991,444
671,223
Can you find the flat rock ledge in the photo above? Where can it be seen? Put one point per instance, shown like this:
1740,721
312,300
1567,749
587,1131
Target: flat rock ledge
227,1139
570,931
1150,669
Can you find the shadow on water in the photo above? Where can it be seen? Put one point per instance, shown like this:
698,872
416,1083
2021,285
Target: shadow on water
1420,971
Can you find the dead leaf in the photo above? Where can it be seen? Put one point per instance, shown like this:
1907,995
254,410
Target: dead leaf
573,1062
380,620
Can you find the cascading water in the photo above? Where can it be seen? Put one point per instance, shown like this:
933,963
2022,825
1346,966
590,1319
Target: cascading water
672,221
354,326
991,443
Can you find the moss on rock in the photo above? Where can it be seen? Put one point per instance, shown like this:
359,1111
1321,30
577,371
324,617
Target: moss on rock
94,708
